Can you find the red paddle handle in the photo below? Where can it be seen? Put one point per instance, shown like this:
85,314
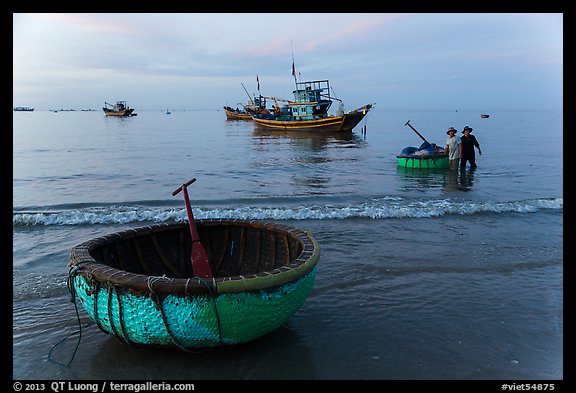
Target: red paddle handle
200,264
183,186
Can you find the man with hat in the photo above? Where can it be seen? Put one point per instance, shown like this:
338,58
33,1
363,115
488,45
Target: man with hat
453,148
468,143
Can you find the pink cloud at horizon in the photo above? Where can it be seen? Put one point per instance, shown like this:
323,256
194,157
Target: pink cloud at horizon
103,23
348,27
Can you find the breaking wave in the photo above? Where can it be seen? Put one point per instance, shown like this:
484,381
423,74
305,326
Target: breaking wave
376,208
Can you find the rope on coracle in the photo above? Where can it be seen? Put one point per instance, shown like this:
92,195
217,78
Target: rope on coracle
158,303
121,333
72,291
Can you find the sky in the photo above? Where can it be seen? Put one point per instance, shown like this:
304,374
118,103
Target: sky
199,61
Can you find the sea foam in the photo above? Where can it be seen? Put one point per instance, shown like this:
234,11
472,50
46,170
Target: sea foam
376,208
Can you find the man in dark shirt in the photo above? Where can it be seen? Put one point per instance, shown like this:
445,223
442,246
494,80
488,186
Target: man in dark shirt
468,143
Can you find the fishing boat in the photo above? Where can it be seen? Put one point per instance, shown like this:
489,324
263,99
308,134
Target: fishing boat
139,284
428,155
309,111
118,109
256,105
23,109
236,114
484,116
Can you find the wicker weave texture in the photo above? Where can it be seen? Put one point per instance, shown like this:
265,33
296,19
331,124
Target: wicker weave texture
138,284
192,321
424,163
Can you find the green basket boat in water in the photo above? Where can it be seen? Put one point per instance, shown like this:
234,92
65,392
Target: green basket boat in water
424,162
138,284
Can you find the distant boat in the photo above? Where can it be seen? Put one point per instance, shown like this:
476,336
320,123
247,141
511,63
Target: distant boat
168,111
118,109
23,109
309,111
484,116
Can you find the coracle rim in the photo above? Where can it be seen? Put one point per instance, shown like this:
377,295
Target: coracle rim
82,263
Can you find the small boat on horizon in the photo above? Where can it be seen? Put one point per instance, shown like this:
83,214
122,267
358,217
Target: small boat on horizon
484,116
309,111
118,109
23,109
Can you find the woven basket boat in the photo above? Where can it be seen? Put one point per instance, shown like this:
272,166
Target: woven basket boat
138,284
423,162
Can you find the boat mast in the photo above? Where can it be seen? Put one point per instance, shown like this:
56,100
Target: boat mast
293,69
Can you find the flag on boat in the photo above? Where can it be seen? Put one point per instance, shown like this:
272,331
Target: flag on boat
258,82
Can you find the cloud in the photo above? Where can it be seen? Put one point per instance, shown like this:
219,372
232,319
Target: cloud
356,52
350,28
100,23
308,33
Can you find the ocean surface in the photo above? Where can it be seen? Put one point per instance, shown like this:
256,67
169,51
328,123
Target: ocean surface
423,274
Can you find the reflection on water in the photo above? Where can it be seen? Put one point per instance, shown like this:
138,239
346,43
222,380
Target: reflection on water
309,140
268,357
430,178
311,162
466,179
459,180
421,179
314,184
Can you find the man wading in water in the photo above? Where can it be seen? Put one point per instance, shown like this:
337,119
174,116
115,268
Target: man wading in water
453,148
468,143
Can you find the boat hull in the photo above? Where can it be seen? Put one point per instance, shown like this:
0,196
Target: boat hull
330,124
230,115
122,113
241,303
423,163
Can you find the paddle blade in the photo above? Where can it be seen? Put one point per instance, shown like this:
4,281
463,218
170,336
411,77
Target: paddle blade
200,264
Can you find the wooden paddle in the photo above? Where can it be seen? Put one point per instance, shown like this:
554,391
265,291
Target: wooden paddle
413,129
200,265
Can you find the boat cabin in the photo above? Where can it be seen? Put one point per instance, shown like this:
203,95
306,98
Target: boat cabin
256,104
311,100
119,106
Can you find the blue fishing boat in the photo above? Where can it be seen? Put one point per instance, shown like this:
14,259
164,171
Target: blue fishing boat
309,111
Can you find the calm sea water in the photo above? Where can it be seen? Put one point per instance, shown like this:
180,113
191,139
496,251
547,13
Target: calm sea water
423,274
